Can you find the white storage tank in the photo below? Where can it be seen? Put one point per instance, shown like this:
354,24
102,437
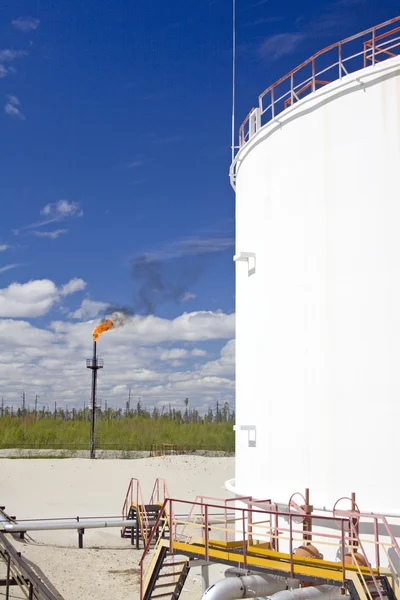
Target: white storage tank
318,286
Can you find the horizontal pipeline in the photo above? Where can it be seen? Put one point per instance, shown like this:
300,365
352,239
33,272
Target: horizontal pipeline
7,527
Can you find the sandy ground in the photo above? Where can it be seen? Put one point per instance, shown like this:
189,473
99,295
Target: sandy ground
107,567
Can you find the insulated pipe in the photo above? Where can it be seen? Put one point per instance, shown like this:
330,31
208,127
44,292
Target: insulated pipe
15,527
287,581
236,572
249,586
324,592
7,527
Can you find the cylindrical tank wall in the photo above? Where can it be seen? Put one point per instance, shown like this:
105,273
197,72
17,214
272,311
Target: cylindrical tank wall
318,323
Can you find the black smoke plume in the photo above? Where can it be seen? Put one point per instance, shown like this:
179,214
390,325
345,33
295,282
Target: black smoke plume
158,282
168,276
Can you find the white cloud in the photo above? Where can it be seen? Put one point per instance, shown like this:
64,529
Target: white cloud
195,326
30,299
191,246
55,212
34,298
9,55
225,365
74,285
20,333
51,362
88,309
4,247
62,209
173,354
8,267
13,111
26,24
281,44
14,100
198,352
11,108
188,296
52,235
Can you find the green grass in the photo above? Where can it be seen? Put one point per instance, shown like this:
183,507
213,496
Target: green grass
126,433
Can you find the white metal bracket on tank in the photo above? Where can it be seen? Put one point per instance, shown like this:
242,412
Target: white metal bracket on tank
251,434
254,121
250,258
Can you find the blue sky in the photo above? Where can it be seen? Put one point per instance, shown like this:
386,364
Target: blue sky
116,142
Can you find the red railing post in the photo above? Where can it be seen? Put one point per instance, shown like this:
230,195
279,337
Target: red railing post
250,525
226,522
313,74
373,46
125,508
206,530
141,580
273,102
376,534
244,538
343,551
291,546
291,89
172,535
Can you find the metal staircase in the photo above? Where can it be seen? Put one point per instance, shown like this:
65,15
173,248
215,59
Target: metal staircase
263,538
166,576
369,589
145,516
383,585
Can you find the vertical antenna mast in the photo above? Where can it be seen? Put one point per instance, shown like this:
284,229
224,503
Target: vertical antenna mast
94,364
233,74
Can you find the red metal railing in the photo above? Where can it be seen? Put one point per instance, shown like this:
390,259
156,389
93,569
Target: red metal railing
134,496
161,515
160,491
253,525
202,500
369,47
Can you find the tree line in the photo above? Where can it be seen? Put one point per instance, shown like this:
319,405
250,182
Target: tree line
218,414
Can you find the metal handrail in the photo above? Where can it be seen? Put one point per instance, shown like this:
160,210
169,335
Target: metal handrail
30,584
158,495
262,524
279,100
161,514
93,362
140,506
355,536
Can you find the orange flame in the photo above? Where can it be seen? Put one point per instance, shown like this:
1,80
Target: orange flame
101,328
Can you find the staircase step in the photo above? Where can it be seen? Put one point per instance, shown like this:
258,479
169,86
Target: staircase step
167,575
164,585
175,564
